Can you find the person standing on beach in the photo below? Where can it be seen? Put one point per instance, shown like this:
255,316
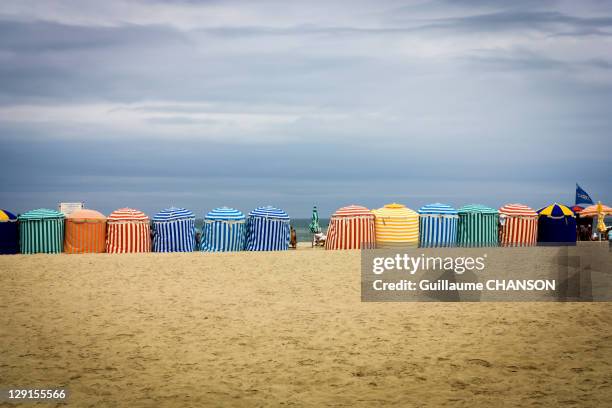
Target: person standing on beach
293,240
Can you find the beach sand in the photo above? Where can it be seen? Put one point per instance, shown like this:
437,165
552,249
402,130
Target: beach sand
288,328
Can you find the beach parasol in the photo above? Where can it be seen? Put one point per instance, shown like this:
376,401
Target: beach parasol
594,210
314,226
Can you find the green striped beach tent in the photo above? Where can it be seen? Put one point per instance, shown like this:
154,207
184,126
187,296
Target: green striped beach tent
478,226
41,231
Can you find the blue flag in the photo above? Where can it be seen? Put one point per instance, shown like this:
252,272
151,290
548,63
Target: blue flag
582,197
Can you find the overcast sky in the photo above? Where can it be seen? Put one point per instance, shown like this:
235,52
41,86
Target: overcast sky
201,104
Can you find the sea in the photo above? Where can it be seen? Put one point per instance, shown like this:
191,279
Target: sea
300,225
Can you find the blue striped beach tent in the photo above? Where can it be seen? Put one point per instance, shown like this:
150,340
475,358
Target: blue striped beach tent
224,229
478,226
438,225
9,233
41,231
267,230
174,230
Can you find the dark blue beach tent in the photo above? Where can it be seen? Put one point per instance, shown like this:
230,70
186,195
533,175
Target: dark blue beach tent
9,233
556,225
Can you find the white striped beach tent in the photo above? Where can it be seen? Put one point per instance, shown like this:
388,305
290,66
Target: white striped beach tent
351,227
173,230
128,230
267,229
518,225
438,225
477,226
224,230
396,225
41,231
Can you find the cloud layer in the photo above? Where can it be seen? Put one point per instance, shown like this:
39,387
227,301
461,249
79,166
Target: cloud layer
209,103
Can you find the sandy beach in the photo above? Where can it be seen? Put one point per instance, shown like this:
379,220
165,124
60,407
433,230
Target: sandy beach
286,328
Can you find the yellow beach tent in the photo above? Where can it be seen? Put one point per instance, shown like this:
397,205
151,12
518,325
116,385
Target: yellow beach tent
396,225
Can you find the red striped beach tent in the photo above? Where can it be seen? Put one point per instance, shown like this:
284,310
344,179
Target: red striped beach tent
9,233
518,225
85,232
351,227
128,230
41,231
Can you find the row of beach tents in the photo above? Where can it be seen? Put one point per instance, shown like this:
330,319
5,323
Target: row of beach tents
127,230
267,228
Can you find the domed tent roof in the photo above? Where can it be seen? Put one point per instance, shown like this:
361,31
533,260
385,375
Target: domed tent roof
437,209
517,210
556,211
395,210
86,215
173,213
225,214
7,216
353,211
127,214
269,212
477,208
40,214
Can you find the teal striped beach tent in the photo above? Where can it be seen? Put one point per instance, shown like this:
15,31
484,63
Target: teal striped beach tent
478,226
267,230
173,230
224,230
41,231
438,225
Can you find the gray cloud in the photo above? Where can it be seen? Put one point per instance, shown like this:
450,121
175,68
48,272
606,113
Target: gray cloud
41,36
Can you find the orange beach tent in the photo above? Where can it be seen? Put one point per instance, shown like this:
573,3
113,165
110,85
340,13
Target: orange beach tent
85,232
